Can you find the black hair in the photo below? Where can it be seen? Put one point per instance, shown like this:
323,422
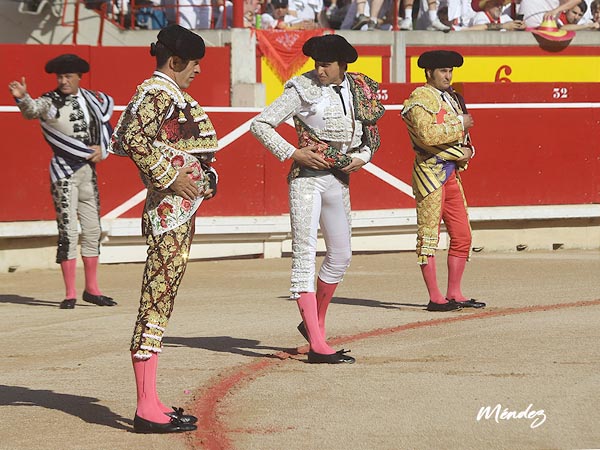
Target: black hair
161,53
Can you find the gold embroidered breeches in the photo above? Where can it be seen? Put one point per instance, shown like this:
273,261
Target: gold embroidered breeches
165,265
447,203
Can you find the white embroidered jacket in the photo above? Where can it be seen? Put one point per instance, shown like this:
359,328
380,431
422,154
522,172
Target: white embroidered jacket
319,107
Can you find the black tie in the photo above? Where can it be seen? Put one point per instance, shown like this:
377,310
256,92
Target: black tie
338,89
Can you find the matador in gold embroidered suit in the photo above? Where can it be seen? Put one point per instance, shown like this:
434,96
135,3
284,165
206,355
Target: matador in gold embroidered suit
438,124
172,142
164,130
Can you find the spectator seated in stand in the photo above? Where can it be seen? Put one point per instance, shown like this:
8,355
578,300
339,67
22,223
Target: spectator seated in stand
489,16
427,17
537,11
149,15
362,15
278,18
252,10
572,19
595,9
334,12
306,10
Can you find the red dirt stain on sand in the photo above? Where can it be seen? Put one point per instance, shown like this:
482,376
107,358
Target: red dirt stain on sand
212,434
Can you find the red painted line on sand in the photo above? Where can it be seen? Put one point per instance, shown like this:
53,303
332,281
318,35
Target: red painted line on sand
212,435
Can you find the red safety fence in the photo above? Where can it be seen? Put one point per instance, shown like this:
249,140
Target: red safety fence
536,143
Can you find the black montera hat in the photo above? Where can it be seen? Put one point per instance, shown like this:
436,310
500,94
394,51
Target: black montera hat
437,59
279,3
67,63
181,42
329,48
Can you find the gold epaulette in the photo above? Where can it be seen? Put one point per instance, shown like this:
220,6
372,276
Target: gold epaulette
158,84
424,97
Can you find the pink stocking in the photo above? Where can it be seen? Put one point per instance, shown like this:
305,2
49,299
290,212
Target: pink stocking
307,304
324,295
68,271
90,265
145,381
430,277
456,268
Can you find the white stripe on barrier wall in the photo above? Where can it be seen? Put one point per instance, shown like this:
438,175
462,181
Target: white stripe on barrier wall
371,168
219,109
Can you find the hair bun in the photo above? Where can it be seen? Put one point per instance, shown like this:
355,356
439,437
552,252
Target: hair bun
153,49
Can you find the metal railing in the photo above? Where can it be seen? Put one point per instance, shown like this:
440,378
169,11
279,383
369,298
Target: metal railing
144,14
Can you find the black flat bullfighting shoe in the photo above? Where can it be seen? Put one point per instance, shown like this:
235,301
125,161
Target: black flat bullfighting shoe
472,303
174,426
100,300
67,303
450,306
177,413
338,357
303,332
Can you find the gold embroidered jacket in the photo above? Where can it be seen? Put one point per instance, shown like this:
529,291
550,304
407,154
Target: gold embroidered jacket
437,136
163,129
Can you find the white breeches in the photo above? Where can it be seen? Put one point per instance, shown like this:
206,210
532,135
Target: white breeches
326,201
77,198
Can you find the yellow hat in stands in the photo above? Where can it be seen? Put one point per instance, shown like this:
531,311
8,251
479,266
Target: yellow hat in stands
549,30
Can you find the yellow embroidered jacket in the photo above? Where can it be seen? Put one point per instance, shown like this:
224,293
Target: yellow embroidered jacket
437,136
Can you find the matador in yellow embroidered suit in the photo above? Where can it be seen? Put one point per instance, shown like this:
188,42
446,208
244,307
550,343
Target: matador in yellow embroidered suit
438,125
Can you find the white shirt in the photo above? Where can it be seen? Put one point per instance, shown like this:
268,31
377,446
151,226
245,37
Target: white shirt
481,18
306,9
533,11
268,22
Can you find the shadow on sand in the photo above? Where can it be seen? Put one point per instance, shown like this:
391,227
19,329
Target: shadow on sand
86,408
228,344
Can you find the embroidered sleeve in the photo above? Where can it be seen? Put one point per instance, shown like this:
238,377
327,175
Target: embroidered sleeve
39,108
136,133
263,126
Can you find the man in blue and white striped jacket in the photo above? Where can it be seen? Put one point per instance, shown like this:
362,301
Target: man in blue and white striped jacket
75,123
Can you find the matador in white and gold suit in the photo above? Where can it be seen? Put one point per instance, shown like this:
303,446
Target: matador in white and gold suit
335,113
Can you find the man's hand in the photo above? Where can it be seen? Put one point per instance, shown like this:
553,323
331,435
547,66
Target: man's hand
208,194
308,157
18,90
356,164
514,25
184,186
552,14
468,155
97,155
468,121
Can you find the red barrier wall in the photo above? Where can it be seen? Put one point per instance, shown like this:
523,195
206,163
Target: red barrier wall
114,70
534,146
